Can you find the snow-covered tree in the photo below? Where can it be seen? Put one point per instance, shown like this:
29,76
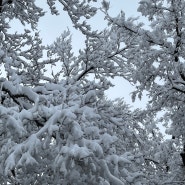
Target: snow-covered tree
56,126
154,61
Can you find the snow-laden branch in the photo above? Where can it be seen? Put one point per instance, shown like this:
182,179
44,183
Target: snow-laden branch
19,91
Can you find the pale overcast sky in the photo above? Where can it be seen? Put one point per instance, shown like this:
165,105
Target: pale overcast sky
52,26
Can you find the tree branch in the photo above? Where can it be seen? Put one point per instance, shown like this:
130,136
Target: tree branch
84,73
1,5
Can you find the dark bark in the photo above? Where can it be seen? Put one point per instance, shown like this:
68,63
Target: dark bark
1,5
183,157
10,2
167,168
182,76
84,73
182,154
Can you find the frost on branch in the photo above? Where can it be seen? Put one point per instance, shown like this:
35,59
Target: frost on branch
75,141
56,126
154,62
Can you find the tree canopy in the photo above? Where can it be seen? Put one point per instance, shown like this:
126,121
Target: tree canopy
57,126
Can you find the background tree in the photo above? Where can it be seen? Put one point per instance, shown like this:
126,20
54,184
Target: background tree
154,62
